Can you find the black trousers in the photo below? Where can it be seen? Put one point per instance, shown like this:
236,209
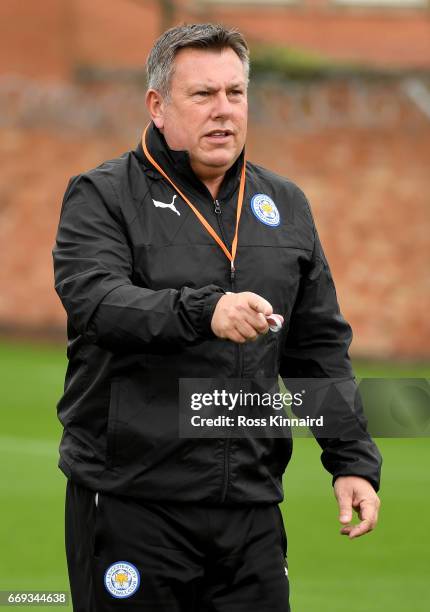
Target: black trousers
130,554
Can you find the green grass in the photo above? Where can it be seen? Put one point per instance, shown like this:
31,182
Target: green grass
388,569
32,487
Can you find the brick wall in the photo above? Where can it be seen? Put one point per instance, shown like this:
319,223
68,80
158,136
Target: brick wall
52,39
396,37
359,151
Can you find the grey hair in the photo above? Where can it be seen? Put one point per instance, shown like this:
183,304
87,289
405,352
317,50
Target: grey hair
160,62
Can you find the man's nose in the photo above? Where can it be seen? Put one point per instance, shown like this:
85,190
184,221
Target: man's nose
222,105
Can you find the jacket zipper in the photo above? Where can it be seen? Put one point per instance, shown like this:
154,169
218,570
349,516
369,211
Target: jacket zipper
218,212
239,352
239,359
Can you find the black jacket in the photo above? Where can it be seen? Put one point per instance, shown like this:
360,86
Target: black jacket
140,283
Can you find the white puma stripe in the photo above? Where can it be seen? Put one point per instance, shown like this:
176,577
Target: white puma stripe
163,205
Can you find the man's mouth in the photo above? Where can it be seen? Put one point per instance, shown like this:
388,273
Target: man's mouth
219,135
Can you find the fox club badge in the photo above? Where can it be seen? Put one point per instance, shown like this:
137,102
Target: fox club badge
122,579
264,208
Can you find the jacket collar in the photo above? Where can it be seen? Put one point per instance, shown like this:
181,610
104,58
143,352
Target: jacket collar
177,166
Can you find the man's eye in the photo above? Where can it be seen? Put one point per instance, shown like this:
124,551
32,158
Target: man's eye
202,93
236,92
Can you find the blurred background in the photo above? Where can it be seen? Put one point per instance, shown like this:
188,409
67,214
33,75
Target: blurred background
340,104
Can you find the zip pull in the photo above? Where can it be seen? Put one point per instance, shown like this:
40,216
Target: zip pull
217,207
232,271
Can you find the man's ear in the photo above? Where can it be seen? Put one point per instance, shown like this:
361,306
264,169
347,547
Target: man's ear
155,105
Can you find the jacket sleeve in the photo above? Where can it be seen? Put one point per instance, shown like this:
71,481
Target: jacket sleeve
316,347
93,277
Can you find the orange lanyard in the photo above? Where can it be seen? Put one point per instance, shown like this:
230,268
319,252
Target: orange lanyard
231,256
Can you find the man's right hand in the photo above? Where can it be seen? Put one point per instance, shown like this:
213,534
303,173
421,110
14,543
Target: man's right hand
241,316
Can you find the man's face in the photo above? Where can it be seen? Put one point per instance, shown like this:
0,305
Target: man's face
206,113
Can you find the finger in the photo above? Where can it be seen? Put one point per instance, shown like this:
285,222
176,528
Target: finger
368,510
259,304
354,531
258,322
363,527
246,330
263,323
235,336
346,530
345,508
246,319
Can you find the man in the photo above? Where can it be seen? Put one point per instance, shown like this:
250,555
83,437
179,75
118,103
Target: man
168,260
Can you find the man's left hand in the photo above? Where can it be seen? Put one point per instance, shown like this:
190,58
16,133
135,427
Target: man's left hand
354,492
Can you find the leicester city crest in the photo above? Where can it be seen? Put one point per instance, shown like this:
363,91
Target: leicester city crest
264,208
122,579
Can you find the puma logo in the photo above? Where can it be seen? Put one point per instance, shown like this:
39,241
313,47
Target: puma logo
171,205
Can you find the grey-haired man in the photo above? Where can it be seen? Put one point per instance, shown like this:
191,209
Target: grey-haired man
168,261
